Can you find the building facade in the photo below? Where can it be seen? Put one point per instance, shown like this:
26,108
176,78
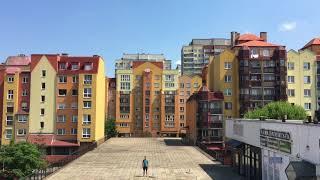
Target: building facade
111,98
67,101
195,56
302,85
145,100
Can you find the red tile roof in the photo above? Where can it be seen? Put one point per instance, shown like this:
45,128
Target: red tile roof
314,41
12,70
135,64
18,60
257,43
249,37
48,140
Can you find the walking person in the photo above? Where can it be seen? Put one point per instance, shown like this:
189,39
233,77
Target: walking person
145,164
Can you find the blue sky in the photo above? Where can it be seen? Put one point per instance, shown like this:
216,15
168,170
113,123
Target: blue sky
112,27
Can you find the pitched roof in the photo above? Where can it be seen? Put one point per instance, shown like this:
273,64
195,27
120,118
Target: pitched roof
18,60
257,43
48,140
249,37
12,70
314,41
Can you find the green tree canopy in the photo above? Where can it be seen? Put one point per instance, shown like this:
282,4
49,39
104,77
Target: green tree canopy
110,128
19,160
278,110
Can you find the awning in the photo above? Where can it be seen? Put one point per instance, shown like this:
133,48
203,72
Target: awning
300,169
233,143
48,140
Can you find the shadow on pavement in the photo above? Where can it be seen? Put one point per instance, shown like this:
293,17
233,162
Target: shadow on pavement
173,142
220,172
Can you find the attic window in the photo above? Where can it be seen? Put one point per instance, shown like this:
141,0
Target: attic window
88,66
62,66
74,66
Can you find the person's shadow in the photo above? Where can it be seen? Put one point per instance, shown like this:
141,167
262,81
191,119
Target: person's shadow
145,176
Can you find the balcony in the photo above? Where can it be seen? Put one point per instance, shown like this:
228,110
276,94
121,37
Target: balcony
268,70
218,125
256,70
215,111
256,83
256,97
269,83
269,97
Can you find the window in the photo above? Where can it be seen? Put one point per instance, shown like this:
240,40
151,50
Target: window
44,73
41,125
74,105
124,77
74,131
265,52
188,85
86,119
42,111
24,105
228,105
21,132
306,66
181,109
62,79
195,85
25,79
156,77
181,117
62,92
125,86
86,133
24,92
156,85
75,79
124,125
291,92
307,106
10,79
228,92
74,118
88,67
10,107
227,78
61,118
43,98
43,86
22,118
10,95
181,100
290,79
169,77
87,92
181,85
61,131
62,66
188,93
74,92
87,104
156,92
307,92
8,133
74,66
169,85
61,106
9,120
227,65
87,79
290,65
306,79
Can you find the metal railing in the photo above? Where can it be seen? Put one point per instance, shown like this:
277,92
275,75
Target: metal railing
39,174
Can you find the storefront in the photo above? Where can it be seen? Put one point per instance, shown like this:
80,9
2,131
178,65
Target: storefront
273,149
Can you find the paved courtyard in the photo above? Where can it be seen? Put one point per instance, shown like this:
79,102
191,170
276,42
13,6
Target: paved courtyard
121,158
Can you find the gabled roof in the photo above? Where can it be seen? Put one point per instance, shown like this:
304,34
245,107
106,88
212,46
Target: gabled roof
135,64
314,41
249,37
257,43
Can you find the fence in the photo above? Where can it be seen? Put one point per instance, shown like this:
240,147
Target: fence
39,174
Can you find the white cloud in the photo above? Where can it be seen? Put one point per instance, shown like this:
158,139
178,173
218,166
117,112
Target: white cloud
288,26
178,62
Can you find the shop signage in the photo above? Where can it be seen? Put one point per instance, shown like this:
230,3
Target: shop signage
277,140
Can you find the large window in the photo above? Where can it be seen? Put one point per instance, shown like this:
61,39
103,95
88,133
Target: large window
22,118
61,118
87,104
87,93
87,79
86,119
124,77
62,79
125,86
86,133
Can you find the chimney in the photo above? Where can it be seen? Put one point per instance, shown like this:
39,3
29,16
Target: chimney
64,54
263,35
233,38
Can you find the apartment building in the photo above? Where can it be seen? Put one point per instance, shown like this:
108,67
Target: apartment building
195,56
145,100
188,85
15,90
251,74
67,101
302,74
111,98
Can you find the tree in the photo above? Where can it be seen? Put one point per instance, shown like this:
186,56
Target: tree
110,128
278,110
19,160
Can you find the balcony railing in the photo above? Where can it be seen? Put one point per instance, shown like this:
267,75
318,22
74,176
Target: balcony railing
208,139
215,111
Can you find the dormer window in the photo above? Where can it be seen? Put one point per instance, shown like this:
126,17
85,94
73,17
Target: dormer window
88,66
74,66
62,66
